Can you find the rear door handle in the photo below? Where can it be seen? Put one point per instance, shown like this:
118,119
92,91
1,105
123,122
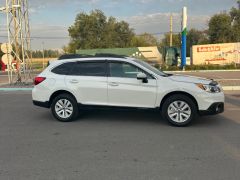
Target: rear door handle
113,84
74,81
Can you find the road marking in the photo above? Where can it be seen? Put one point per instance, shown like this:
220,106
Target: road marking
231,88
232,109
223,79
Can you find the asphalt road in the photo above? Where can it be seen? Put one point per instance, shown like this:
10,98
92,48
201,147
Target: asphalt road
116,145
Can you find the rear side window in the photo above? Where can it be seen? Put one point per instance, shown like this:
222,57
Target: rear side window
64,69
89,69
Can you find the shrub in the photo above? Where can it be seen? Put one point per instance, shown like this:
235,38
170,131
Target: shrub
201,67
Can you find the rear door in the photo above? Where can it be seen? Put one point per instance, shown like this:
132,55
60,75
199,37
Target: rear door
88,79
124,89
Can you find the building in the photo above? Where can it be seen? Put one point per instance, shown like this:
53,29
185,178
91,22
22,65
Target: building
219,54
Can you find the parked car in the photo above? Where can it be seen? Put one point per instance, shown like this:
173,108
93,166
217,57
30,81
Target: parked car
68,85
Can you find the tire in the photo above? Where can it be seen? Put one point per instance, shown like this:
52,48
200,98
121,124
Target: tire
64,108
179,110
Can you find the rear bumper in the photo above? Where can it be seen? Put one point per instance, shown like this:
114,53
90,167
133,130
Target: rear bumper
215,108
42,104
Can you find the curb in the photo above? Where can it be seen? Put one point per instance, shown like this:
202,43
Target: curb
16,89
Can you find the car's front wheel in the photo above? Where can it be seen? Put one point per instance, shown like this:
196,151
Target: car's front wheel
179,110
64,108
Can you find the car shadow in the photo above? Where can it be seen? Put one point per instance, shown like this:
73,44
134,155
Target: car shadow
144,116
122,115
139,116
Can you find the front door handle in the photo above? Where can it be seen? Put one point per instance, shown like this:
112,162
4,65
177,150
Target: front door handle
74,81
113,84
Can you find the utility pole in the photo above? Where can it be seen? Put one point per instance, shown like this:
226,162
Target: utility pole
171,30
43,54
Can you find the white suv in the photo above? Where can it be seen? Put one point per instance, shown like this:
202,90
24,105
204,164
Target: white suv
66,86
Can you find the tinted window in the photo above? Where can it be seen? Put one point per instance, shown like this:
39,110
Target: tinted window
118,69
63,69
89,69
151,68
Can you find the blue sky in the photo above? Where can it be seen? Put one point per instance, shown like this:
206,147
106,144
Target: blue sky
51,18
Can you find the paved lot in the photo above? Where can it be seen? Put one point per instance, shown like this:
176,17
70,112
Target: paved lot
116,145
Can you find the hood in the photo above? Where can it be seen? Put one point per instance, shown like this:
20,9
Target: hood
189,79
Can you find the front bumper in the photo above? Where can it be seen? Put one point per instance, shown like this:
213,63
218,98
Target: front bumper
215,108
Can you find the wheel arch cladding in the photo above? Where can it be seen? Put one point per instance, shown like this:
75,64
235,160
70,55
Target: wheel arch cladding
178,93
56,93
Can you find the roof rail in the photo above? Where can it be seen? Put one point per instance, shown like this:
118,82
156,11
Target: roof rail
109,55
73,56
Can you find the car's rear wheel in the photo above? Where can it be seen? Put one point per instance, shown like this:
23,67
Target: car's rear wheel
179,110
64,108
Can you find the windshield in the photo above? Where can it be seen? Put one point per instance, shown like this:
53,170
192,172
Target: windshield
151,68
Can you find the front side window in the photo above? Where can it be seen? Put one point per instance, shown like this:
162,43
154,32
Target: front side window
124,70
89,69
63,69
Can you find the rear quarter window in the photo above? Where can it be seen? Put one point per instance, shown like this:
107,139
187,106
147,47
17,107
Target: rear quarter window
63,69
89,69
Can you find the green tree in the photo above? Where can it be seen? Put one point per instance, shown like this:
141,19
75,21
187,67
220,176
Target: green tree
95,30
196,37
166,40
235,18
220,28
143,40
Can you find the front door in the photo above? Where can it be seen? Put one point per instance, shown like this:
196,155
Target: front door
124,89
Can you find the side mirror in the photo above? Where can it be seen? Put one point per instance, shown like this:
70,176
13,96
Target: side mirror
143,77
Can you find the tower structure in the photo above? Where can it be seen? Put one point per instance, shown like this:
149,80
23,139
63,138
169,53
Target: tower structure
19,39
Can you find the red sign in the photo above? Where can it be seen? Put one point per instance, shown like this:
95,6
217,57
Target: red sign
2,65
208,48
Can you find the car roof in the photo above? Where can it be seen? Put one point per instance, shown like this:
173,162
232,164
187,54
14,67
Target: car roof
97,55
95,59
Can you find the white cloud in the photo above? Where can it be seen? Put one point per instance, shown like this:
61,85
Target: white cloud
160,22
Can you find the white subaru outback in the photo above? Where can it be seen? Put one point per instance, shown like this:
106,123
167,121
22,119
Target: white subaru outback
68,85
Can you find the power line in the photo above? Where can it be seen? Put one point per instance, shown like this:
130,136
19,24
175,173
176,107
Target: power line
65,37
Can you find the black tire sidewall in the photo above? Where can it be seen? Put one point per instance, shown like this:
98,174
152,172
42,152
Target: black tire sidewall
74,104
179,97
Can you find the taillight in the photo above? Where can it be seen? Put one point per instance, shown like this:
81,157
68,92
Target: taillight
38,80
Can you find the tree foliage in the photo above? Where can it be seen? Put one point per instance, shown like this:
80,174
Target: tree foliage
195,37
95,30
48,53
220,29
225,27
235,17
165,42
144,39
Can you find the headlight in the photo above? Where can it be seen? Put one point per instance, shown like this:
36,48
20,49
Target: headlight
209,88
